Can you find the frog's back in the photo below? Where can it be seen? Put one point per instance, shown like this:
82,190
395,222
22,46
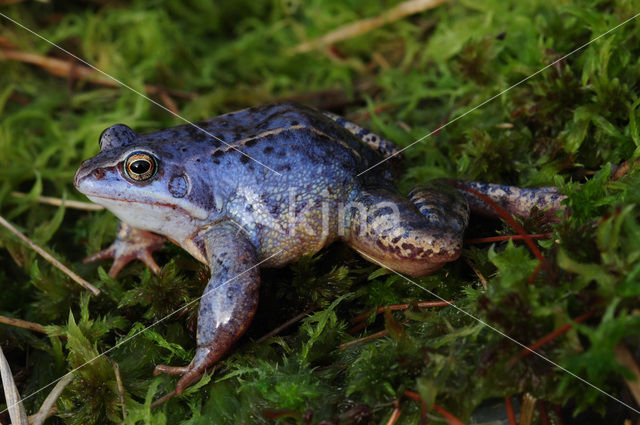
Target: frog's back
287,138
273,169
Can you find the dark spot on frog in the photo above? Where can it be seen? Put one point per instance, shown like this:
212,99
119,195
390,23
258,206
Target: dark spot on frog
244,159
268,150
295,122
178,186
218,153
216,161
98,173
285,167
281,153
251,142
249,208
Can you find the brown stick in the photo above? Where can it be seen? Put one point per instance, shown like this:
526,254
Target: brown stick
395,415
363,26
397,307
283,326
14,403
448,416
511,416
123,402
69,69
78,205
526,409
506,238
36,327
80,281
625,358
365,339
483,280
48,405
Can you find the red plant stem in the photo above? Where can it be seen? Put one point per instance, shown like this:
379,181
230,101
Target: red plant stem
548,338
507,238
510,413
448,416
535,274
395,415
558,412
544,415
396,307
509,219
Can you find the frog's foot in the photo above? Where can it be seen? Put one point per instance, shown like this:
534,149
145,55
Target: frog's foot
130,244
204,358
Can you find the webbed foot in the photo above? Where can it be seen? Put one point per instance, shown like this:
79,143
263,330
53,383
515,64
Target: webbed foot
130,244
204,358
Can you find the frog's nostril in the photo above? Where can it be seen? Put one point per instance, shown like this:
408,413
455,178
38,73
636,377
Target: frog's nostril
98,173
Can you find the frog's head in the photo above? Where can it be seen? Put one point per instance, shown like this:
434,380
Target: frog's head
148,183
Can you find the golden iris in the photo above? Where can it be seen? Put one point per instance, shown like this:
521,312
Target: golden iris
140,166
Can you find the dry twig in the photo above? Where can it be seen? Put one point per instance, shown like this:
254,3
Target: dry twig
78,205
80,281
625,358
11,395
69,69
285,325
527,408
354,29
47,409
123,403
36,327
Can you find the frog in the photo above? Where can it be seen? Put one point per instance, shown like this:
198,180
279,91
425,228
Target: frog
263,186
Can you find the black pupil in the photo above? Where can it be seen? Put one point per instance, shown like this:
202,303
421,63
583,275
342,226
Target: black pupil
140,166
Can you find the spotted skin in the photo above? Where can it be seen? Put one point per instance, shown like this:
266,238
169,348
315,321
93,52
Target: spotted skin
208,195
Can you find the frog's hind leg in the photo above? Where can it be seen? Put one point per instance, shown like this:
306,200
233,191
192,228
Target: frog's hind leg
415,236
515,200
229,300
385,147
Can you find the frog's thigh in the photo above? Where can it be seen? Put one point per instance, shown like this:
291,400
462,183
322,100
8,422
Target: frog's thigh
229,300
415,236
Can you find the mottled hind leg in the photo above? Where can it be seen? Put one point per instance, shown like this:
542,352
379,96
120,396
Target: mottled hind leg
414,236
229,301
515,200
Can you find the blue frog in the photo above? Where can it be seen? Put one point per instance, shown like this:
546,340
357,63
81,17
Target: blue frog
263,186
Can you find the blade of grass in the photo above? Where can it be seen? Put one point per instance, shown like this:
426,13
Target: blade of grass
363,26
80,281
12,396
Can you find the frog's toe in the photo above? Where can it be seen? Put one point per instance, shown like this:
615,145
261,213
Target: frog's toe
130,244
170,370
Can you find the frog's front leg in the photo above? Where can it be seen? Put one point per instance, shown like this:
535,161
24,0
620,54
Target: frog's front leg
415,236
130,244
229,300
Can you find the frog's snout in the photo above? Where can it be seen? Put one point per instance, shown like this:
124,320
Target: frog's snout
84,176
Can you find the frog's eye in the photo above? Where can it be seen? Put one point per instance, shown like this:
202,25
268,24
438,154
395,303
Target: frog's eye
140,166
